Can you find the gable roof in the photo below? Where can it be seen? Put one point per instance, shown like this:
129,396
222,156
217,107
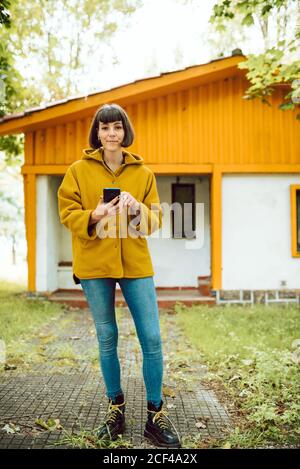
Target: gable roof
81,106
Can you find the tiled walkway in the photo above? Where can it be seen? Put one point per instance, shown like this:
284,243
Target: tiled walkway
63,381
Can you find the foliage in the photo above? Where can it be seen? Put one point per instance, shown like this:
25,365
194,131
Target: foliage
279,62
53,60
253,355
4,15
10,89
11,204
61,55
266,71
20,316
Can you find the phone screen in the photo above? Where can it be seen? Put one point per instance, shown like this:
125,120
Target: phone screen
110,193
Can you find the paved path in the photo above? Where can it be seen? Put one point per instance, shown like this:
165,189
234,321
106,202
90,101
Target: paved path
62,381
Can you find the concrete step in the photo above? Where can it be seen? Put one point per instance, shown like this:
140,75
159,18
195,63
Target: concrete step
166,298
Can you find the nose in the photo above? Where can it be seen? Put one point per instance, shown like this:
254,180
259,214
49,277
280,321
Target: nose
111,131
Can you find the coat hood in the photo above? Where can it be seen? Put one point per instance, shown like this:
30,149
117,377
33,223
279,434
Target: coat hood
91,153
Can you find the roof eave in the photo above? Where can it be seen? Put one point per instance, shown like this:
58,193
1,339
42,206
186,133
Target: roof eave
67,110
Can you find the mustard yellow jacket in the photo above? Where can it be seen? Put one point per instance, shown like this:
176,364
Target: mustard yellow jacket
95,256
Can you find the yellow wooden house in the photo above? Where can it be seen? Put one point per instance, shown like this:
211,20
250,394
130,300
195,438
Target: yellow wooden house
236,160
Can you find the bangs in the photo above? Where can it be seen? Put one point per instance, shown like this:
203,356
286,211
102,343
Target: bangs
109,114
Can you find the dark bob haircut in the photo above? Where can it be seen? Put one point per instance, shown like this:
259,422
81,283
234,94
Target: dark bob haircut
110,113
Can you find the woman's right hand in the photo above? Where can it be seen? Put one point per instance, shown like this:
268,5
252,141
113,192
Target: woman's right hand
108,209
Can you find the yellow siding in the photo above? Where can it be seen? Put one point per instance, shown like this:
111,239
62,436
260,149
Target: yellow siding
205,124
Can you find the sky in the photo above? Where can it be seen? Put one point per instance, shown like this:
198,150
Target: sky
161,36
158,30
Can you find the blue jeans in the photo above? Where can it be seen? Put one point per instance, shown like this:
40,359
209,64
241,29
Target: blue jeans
140,296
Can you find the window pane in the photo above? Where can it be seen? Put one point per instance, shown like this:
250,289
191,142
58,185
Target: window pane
184,219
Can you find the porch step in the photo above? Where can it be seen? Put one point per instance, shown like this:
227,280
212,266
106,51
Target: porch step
166,298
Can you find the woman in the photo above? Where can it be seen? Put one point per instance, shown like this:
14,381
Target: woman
103,257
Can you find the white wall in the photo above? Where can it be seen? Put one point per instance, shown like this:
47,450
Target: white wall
256,232
48,234
174,264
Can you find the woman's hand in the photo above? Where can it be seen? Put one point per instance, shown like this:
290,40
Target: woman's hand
127,200
105,209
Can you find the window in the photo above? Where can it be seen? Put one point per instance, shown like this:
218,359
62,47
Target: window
295,222
183,211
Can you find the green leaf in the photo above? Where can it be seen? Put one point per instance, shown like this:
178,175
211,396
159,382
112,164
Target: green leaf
248,20
286,106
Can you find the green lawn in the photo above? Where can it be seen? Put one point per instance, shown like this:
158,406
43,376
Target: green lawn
21,318
253,355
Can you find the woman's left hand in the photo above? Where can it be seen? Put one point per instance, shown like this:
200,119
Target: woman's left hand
127,199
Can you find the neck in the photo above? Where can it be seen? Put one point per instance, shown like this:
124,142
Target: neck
113,157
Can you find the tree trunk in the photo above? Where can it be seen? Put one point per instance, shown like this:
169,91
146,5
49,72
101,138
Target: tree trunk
13,251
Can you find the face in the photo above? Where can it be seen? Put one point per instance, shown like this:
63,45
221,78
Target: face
111,135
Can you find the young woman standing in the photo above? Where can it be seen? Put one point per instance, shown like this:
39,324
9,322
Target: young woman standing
100,261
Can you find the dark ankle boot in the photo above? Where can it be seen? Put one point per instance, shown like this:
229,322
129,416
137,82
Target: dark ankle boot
114,420
158,429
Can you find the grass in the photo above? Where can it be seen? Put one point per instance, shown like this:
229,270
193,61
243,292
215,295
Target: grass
21,318
87,439
252,353
253,356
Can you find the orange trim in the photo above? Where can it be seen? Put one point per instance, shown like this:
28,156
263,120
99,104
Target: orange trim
44,169
216,228
172,169
30,225
294,188
177,169
29,148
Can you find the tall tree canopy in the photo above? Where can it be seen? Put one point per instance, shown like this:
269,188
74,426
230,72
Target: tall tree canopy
55,44
279,24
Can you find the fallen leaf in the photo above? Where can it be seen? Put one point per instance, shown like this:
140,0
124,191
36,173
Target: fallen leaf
227,445
11,428
296,357
167,391
8,366
51,424
171,406
248,361
296,343
200,425
41,423
234,378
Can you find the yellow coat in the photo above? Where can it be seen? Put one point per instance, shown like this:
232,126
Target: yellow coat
117,255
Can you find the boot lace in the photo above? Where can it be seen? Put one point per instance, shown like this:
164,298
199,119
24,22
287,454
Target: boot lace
111,415
159,417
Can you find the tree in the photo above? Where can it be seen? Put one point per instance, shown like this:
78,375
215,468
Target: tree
64,39
11,205
280,60
10,89
55,44
46,49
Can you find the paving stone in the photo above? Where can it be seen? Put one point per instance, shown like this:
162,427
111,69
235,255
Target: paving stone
75,394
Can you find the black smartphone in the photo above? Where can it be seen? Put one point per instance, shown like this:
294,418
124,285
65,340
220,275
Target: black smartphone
110,193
